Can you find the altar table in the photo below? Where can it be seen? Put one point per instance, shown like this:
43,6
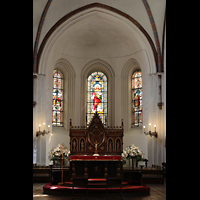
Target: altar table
96,158
102,166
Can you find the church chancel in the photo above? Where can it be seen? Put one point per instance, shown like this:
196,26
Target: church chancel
96,63
96,150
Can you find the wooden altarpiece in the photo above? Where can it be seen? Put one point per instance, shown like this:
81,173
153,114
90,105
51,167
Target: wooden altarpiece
108,140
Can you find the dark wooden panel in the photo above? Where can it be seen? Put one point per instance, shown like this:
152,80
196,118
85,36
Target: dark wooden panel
109,140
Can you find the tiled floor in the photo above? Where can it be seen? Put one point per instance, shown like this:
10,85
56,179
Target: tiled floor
157,192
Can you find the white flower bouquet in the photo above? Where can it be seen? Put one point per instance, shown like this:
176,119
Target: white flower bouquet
56,153
132,151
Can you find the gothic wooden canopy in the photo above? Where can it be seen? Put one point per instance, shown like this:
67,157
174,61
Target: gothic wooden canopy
109,140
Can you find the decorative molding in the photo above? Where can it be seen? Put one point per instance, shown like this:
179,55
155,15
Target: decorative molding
95,64
38,35
163,39
153,25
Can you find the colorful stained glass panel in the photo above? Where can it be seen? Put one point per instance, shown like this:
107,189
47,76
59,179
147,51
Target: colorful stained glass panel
97,96
57,99
136,99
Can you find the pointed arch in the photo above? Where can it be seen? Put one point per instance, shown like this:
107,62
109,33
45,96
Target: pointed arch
103,66
69,73
93,5
127,71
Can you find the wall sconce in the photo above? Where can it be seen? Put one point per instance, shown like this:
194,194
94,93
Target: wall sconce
38,133
155,134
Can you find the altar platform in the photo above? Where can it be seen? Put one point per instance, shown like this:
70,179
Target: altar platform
96,186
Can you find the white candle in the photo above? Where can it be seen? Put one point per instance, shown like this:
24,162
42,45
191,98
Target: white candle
39,126
155,127
48,127
149,126
144,128
44,125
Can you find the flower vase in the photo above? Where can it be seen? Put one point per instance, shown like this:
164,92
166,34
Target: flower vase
129,164
56,162
67,162
134,162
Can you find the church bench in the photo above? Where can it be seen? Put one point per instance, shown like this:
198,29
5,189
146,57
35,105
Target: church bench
153,174
41,173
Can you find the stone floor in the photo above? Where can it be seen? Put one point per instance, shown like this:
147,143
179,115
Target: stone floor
157,192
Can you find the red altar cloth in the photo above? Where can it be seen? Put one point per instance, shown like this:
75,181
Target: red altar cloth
95,158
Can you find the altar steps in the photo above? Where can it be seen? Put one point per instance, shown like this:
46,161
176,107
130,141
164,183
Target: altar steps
95,183
95,186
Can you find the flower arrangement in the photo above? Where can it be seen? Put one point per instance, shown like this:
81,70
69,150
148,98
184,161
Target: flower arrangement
132,151
56,153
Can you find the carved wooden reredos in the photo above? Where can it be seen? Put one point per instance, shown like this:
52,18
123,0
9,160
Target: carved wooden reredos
109,140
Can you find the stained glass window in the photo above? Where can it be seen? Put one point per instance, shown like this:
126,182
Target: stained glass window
136,95
57,99
97,96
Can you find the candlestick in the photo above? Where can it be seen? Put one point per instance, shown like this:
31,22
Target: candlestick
38,133
154,133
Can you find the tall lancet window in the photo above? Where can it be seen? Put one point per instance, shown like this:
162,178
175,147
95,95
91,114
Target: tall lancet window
97,96
136,95
57,98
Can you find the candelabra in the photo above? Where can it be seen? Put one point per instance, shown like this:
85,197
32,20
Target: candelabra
38,133
155,134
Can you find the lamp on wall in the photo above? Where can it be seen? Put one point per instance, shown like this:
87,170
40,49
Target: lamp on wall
155,134
38,133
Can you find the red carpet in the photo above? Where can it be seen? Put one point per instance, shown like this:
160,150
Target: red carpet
95,187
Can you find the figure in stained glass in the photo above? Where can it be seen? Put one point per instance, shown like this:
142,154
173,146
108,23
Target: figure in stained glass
137,98
97,97
97,94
